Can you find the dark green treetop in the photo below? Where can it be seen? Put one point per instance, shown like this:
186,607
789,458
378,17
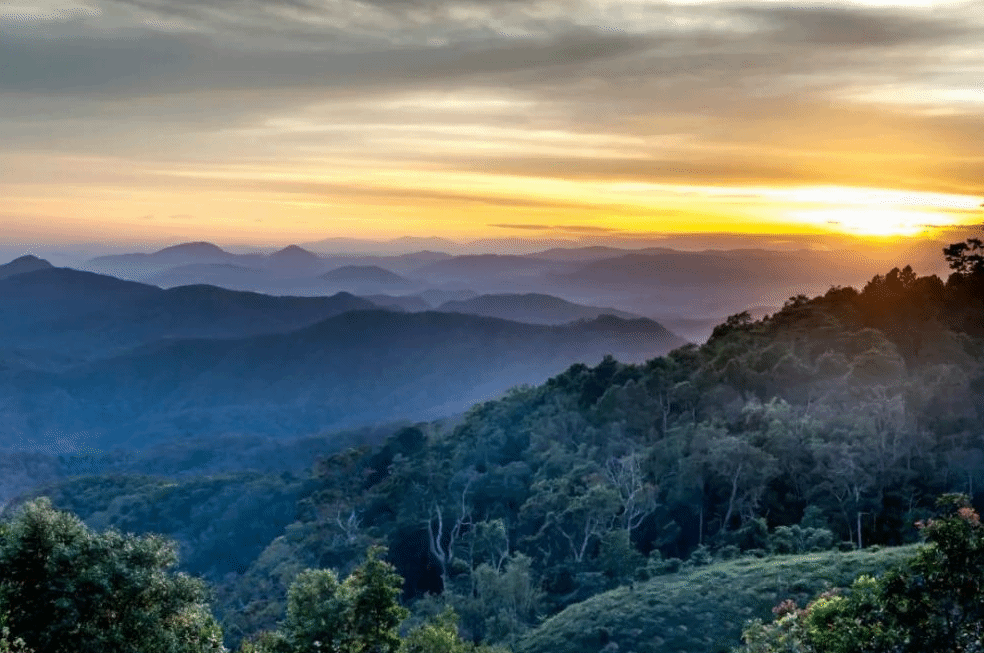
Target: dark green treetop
67,589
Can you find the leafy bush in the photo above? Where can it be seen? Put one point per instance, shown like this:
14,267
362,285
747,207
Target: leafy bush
933,601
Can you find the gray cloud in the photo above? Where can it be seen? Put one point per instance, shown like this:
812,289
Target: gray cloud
71,65
154,63
855,27
752,93
76,57
810,24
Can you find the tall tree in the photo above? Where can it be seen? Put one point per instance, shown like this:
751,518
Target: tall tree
318,612
376,612
67,589
636,494
966,258
360,615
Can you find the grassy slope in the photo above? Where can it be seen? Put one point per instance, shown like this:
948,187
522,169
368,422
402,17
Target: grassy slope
701,610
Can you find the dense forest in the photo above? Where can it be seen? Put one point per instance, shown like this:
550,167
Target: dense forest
830,426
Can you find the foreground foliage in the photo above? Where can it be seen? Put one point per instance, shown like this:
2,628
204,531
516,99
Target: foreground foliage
6,645
699,608
65,589
934,601
361,614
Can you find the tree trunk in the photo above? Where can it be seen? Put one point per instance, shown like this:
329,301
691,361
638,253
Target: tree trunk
731,499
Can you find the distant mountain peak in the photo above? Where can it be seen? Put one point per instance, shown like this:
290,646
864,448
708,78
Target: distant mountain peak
198,247
294,252
368,274
30,259
295,261
22,265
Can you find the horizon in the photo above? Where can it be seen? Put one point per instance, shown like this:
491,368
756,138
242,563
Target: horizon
132,121
920,252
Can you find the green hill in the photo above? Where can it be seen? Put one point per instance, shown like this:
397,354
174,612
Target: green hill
703,609
221,523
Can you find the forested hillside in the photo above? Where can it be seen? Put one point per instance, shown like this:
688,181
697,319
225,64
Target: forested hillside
838,419
833,423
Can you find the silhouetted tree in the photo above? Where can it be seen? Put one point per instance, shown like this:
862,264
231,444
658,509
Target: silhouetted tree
966,258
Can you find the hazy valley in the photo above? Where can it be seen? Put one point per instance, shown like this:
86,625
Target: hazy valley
687,290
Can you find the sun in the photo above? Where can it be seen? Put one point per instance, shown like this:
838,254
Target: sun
865,221
875,212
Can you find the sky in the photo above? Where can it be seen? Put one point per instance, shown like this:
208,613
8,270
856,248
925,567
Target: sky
278,121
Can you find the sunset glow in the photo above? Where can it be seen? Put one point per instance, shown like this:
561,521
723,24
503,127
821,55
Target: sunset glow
160,121
871,222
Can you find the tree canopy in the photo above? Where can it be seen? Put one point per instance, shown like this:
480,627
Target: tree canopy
966,258
66,589
361,614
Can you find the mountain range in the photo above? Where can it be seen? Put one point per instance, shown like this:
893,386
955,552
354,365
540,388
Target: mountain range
125,362
356,368
693,290
84,314
290,261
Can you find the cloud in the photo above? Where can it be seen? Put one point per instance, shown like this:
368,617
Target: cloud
584,228
387,194
573,228
151,63
529,227
965,212
865,28
736,93
450,41
811,25
717,171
